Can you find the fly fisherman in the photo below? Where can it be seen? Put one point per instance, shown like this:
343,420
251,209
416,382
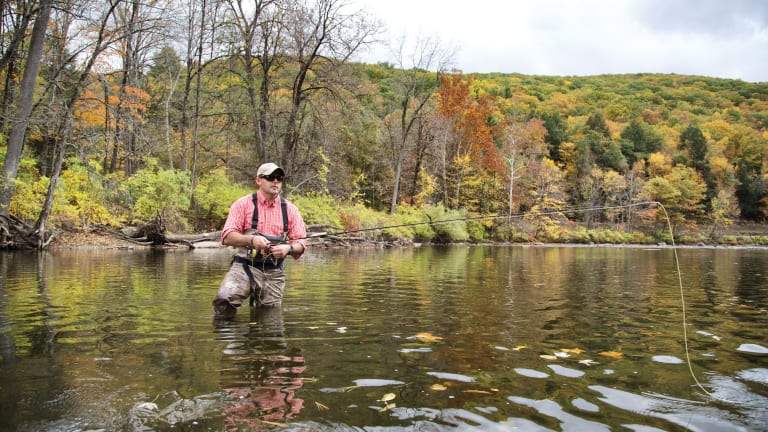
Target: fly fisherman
262,238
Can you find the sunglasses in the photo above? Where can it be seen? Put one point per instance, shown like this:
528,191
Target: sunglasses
272,177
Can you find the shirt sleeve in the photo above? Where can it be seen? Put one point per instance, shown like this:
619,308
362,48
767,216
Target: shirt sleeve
296,227
239,218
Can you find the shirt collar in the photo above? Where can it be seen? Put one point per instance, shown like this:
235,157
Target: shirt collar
266,202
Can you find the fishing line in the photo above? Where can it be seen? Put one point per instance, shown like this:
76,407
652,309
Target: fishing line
556,212
685,320
473,219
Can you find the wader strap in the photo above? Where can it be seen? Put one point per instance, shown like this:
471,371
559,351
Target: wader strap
255,220
252,281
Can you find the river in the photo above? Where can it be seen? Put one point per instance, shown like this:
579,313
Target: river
464,337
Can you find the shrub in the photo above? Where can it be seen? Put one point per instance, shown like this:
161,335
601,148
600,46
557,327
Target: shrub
447,231
160,193
79,200
317,209
420,229
214,194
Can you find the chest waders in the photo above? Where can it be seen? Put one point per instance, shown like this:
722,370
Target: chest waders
254,257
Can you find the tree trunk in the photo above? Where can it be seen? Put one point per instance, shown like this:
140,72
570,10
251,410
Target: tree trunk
24,107
65,128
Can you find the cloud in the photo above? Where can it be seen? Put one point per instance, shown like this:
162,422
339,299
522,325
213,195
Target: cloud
719,18
716,38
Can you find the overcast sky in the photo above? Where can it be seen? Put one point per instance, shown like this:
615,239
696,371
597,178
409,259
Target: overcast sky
716,38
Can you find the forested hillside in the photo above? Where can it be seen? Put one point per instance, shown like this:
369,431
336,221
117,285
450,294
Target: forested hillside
120,113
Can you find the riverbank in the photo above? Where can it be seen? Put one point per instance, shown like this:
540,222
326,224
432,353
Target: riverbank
100,240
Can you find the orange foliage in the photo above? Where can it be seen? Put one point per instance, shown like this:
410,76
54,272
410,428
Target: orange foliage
470,122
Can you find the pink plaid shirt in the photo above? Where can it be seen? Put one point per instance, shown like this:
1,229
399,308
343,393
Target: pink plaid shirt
270,218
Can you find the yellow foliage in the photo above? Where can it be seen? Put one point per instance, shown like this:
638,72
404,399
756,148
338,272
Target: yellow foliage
612,354
427,187
659,164
427,337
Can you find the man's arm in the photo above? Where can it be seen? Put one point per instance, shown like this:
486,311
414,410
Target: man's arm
238,239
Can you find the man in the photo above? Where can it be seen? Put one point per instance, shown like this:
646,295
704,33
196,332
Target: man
265,228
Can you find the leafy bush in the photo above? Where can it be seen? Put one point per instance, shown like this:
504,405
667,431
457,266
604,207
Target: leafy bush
28,198
214,194
317,209
160,193
420,229
78,200
29,189
447,231
510,233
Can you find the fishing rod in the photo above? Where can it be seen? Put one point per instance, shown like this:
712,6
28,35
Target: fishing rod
476,218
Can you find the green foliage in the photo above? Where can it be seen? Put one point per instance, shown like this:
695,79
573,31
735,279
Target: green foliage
162,193
556,133
448,231
596,122
213,196
318,209
79,200
414,215
28,198
508,232
607,153
644,140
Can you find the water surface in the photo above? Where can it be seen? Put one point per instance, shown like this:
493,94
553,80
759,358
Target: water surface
435,338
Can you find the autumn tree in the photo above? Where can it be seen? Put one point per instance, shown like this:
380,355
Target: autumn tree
557,132
640,140
596,122
548,196
163,78
257,44
16,18
23,109
681,191
324,35
471,152
524,142
693,141
141,25
421,67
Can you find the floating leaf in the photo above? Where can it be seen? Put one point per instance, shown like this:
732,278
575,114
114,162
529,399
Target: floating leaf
588,362
548,357
572,350
341,330
476,391
438,387
612,354
387,397
428,337
520,347
278,424
561,354
387,407
321,407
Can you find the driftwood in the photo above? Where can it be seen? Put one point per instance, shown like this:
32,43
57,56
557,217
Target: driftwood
16,234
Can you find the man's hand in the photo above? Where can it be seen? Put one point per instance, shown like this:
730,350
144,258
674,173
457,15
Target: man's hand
259,242
280,250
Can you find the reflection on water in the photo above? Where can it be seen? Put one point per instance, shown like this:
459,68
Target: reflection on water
260,374
437,338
